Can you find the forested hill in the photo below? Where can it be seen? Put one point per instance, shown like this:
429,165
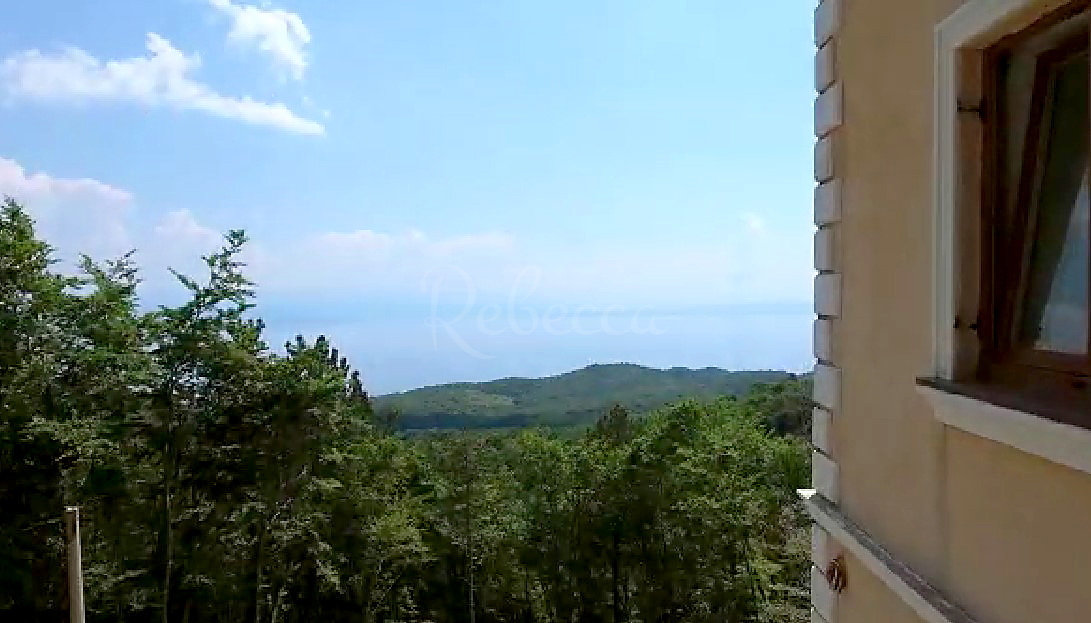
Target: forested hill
574,398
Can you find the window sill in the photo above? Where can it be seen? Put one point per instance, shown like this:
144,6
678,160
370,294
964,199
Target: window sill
927,601
965,408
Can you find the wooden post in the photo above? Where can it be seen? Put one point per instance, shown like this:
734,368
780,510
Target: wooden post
75,564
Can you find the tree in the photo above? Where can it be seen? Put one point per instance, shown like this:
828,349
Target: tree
32,325
615,425
222,481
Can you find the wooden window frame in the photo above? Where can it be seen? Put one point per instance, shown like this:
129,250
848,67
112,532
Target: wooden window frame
1059,381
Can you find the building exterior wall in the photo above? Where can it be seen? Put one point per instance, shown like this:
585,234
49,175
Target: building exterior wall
1003,534
1018,531
870,601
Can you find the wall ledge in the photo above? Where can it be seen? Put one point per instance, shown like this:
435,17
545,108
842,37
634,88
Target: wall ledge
911,588
1054,441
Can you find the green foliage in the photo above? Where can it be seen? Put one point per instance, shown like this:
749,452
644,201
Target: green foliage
221,481
575,398
785,407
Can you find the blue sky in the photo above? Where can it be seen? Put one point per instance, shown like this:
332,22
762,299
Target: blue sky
424,181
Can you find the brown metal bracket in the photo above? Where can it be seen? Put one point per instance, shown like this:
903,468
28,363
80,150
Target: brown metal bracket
835,574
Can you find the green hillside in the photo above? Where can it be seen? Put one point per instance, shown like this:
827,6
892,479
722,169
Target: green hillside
571,399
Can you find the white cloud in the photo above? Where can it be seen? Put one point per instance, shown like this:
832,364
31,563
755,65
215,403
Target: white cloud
30,187
355,265
77,215
162,78
361,264
365,264
279,34
177,241
754,223
182,226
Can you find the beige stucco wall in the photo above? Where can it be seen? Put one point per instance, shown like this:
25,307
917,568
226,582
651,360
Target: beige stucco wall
887,449
869,601
1004,534
1020,548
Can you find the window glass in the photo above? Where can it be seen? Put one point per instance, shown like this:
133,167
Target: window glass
1055,305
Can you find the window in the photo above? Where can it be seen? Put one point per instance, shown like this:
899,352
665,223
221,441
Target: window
1036,215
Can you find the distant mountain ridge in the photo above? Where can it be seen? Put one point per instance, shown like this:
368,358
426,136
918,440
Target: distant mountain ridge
573,398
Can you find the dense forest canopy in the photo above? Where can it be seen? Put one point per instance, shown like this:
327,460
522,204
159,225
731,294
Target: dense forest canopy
573,399
221,480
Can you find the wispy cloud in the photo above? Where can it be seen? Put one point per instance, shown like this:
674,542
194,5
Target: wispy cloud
162,78
279,34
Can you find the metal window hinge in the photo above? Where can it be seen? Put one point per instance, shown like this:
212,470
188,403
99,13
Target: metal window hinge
958,324
977,108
